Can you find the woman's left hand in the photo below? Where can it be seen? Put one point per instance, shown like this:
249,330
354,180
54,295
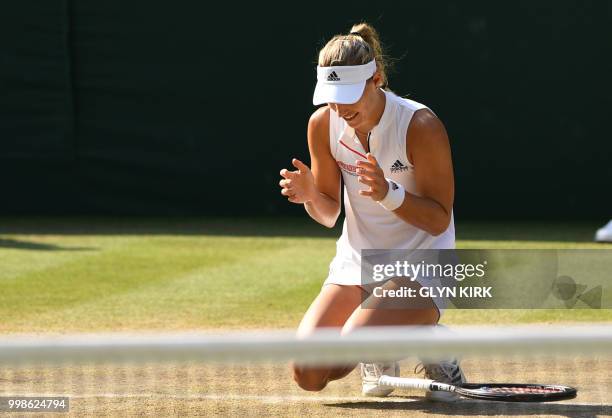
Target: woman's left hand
372,175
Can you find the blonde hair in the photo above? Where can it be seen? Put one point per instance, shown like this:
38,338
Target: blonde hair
360,46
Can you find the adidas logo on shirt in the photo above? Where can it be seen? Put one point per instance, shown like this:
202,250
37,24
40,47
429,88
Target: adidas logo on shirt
333,77
398,167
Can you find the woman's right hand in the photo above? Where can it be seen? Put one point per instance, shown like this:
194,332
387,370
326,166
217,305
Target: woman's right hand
298,186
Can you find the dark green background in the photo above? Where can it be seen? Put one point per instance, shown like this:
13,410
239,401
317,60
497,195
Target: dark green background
134,107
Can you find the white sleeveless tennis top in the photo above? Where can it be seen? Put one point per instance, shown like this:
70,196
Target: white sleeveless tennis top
367,225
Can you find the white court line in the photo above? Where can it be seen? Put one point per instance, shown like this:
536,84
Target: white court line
228,397
277,399
258,398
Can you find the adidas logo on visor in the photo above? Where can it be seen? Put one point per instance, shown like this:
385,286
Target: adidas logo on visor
333,77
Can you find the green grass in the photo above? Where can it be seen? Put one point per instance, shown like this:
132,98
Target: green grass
60,275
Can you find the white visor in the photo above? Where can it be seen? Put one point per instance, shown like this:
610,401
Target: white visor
342,84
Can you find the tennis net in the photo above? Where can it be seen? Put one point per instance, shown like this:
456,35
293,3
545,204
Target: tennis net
248,373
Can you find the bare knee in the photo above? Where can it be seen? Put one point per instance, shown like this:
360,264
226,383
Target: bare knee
313,380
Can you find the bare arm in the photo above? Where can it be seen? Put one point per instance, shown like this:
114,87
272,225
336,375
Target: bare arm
318,189
429,151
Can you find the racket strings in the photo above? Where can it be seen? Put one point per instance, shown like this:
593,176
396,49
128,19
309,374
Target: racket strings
511,390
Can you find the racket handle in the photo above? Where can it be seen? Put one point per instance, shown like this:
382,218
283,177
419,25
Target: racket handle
405,382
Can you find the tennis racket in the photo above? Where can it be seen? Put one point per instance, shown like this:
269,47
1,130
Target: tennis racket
508,392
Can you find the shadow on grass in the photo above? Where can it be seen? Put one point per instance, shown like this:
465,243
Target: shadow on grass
281,227
475,407
239,227
527,231
28,245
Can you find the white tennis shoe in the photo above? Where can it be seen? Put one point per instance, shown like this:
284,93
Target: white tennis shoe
371,372
604,234
445,372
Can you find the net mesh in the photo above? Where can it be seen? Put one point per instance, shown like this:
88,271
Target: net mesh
233,375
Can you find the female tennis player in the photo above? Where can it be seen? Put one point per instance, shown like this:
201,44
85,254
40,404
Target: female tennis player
394,157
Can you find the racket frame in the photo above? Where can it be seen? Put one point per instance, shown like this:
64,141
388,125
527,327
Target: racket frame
476,390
